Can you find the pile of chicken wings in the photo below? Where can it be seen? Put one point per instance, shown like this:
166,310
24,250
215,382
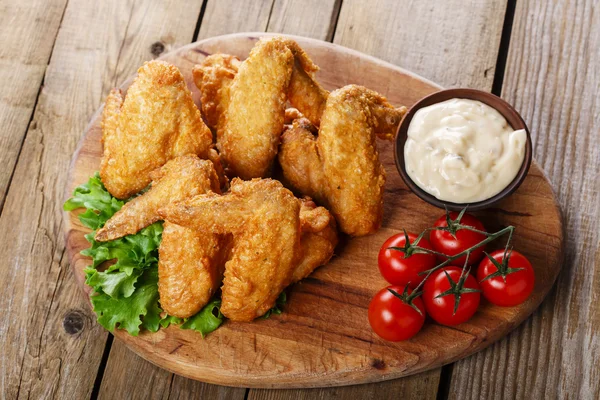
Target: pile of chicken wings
228,224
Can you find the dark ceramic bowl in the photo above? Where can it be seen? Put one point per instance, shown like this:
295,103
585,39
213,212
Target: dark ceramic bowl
511,115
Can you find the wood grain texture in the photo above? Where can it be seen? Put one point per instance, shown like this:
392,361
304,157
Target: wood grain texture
28,30
453,42
51,345
417,387
310,18
228,16
128,376
552,77
323,338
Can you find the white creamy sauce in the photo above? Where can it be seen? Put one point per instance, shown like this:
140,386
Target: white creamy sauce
462,151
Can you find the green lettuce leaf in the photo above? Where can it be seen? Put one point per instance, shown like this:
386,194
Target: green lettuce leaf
170,320
207,320
140,309
115,284
99,203
131,252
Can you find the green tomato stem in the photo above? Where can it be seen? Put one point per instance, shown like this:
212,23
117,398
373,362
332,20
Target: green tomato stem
490,237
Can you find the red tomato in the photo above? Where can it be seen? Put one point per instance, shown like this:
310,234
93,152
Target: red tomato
398,270
441,309
392,319
516,286
445,243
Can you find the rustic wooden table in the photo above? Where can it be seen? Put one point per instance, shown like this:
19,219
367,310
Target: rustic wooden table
59,59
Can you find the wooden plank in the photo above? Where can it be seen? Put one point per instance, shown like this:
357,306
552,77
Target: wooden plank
229,16
311,18
453,43
415,387
128,376
28,30
52,346
552,79
451,57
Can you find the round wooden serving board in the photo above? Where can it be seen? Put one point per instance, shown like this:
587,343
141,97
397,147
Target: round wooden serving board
323,338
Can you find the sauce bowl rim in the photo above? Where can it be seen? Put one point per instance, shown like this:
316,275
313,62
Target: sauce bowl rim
511,115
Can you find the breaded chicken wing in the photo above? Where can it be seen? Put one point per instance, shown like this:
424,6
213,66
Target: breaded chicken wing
190,268
178,179
318,240
249,108
214,77
299,157
191,263
264,219
340,168
157,121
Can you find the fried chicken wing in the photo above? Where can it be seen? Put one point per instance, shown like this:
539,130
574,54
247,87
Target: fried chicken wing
318,240
178,179
214,77
249,135
157,121
247,101
191,263
264,219
300,161
190,268
340,168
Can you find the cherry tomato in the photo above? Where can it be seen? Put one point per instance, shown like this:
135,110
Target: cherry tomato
516,286
441,309
392,319
398,270
445,243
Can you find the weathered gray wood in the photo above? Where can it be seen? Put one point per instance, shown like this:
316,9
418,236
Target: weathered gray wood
51,344
229,16
552,78
453,42
128,376
28,30
311,18
415,387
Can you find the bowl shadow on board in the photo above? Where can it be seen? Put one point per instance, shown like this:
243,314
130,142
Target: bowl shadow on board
512,117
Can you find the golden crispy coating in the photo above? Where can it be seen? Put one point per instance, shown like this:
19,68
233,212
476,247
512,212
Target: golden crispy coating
263,218
350,178
318,240
249,133
247,102
214,77
304,92
191,264
292,114
190,268
301,164
156,122
215,157
178,179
